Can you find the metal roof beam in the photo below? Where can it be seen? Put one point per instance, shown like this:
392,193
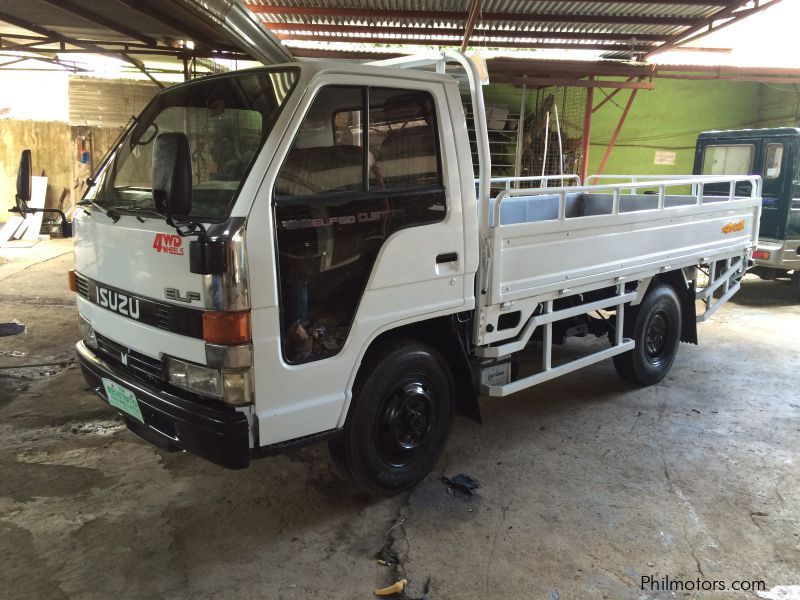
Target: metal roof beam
17,22
473,14
108,47
52,61
318,11
178,53
458,32
584,83
113,47
358,54
443,42
93,17
574,68
32,46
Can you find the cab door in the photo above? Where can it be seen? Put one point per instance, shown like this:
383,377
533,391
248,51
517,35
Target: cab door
777,187
366,234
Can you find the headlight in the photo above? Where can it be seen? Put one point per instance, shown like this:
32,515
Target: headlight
232,387
87,331
195,378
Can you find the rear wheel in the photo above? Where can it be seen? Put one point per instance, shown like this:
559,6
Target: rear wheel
399,418
656,329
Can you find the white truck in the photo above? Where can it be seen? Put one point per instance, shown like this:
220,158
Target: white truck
285,255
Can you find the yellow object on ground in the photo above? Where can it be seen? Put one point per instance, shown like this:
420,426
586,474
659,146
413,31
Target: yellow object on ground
396,588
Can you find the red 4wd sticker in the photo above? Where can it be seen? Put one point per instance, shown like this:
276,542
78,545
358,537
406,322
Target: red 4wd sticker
168,243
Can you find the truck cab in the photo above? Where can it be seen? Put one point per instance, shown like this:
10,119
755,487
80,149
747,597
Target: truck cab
774,154
305,176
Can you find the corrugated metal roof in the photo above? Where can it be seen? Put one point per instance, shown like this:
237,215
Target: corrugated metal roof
147,30
626,28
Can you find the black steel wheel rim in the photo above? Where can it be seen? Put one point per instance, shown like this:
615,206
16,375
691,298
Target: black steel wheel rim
407,421
656,337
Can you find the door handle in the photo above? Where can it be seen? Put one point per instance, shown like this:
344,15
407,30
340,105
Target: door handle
447,257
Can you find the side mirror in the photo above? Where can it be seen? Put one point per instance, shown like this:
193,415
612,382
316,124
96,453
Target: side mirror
172,175
24,178
24,183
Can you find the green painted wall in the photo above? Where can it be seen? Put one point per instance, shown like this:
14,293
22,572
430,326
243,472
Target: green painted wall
669,118
779,106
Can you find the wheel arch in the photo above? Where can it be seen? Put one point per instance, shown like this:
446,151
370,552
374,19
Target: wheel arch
446,334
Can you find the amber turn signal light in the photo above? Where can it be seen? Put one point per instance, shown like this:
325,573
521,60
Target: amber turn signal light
72,281
227,328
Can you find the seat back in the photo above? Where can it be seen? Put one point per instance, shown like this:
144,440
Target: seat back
320,169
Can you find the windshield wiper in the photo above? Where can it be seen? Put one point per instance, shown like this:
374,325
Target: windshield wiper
109,212
132,208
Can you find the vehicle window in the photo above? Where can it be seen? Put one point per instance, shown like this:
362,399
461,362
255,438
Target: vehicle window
222,143
772,161
402,139
728,160
226,120
328,153
341,192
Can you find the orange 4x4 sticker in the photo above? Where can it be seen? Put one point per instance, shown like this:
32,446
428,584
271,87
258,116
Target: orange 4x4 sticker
733,227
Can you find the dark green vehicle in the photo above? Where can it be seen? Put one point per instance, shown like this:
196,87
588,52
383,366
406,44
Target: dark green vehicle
775,155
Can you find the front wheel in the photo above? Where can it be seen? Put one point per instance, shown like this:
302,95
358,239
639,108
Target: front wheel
399,419
657,332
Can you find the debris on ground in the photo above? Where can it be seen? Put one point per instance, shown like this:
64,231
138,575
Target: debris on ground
395,588
399,590
12,328
388,556
461,485
13,353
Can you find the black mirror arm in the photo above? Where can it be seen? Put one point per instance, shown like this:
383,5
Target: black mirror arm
23,209
188,228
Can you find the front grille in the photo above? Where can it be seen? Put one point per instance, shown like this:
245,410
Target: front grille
83,286
177,319
133,362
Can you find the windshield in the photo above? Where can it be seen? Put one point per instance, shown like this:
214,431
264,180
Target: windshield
226,120
732,159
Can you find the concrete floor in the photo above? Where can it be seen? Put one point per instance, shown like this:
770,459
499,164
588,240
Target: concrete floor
587,484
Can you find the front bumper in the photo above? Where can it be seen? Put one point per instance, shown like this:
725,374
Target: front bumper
219,435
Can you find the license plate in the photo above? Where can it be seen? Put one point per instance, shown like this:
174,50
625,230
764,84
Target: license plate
123,399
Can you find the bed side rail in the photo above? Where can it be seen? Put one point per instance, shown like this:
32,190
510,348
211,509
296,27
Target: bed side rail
543,181
696,183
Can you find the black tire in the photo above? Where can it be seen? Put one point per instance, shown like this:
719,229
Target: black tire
796,284
655,326
399,418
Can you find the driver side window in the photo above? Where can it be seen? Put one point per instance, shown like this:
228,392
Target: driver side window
328,153
363,166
